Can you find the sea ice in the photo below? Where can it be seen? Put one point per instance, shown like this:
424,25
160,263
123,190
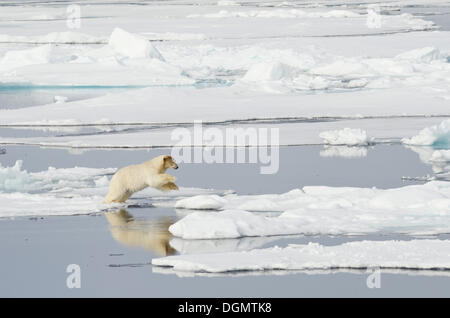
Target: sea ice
132,45
15,179
278,13
346,136
66,37
440,156
437,136
414,254
19,58
414,209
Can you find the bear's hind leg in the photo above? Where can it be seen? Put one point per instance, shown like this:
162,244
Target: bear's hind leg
117,198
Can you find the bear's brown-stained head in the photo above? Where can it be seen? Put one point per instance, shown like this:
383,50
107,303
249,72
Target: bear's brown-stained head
169,162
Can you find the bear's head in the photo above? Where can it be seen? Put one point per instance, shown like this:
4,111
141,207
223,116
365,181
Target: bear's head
169,162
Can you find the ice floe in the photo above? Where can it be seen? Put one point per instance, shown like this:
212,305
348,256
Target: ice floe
414,209
437,136
16,179
440,156
66,37
293,133
227,103
132,45
18,58
438,159
346,136
278,13
127,59
414,254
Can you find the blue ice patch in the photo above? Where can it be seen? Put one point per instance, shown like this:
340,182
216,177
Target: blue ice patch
443,142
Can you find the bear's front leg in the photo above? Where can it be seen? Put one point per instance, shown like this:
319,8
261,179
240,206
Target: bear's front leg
160,179
168,186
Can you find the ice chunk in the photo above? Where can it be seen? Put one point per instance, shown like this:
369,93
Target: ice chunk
414,254
414,209
424,55
438,136
27,204
60,99
18,58
346,136
201,202
440,156
15,179
132,45
226,3
268,72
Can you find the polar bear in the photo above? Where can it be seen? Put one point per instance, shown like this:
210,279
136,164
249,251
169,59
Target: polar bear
131,179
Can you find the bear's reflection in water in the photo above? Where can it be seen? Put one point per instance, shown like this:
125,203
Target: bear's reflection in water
151,235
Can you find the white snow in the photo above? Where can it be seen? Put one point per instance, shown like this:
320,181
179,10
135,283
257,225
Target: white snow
414,254
437,135
346,136
303,133
127,59
211,202
132,45
220,246
225,3
440,156
414,209
267,72
19,58
60,99
426,55
227,103
15,179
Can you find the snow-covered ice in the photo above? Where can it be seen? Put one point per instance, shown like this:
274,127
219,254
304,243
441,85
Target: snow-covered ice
319,71
15,179
346,136
132,45
66,37
414,209
437,135
414,254
440,156
225,104
294,133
